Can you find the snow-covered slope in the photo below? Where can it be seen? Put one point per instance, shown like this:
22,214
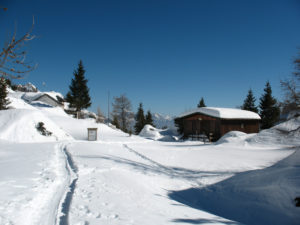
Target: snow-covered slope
20,125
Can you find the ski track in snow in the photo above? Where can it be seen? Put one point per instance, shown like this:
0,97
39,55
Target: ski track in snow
65,204
192,176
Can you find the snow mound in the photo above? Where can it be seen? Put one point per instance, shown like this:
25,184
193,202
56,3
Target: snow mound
150,132
19,125
153,133
232,136
286,133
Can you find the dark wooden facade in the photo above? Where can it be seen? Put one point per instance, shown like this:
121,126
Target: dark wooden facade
196,124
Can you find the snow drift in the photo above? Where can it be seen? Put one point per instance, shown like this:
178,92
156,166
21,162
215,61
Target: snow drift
19,125
153,133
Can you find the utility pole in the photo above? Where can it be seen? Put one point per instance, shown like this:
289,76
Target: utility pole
108,108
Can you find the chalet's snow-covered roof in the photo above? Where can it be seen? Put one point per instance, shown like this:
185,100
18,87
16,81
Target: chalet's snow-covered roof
32,96
224,113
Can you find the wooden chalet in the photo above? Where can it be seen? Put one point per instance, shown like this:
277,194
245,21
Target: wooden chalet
215,122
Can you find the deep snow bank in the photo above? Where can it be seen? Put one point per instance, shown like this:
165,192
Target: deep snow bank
286,133
153,133
19,125
150,132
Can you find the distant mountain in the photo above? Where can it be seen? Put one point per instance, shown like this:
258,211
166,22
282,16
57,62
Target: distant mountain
161,121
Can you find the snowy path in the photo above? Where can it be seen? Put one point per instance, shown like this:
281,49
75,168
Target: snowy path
34,184
68,195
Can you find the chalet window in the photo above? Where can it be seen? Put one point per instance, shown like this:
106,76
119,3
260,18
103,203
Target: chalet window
242,126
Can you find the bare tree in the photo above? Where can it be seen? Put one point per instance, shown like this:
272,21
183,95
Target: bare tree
122,111
13,59
291,88
100,116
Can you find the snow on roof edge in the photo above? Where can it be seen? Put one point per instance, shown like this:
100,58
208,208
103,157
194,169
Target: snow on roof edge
223,113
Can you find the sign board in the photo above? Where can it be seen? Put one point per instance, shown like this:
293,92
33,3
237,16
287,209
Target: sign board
92,134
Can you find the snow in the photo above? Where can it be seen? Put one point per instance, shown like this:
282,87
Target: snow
31,96
150,132
122,179
19,125
224,113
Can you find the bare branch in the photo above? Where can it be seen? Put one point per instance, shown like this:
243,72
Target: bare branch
12,60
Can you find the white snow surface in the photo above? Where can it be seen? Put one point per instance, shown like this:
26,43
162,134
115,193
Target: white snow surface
150,132
19,125
122,179
224,113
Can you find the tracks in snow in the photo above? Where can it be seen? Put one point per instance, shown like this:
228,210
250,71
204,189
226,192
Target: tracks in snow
192,176
65,203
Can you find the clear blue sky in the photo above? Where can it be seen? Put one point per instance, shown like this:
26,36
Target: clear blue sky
165,54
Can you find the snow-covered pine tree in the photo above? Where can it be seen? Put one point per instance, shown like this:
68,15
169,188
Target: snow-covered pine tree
249,102
3,94
78,95
201,103
149,119
140,119
269,110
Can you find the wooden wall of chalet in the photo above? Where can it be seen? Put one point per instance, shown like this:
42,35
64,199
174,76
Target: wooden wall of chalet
203,124
246,126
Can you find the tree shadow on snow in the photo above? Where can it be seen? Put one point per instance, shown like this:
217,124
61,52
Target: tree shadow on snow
156,168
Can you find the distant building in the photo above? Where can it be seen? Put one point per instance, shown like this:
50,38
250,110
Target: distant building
215,122
53,99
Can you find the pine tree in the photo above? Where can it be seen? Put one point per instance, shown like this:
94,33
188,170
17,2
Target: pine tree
269,110
3,94
201,103
78,96
115,122
149,119
249,102
140,119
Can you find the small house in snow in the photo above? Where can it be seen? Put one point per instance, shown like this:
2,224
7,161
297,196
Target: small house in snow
53,99
215,122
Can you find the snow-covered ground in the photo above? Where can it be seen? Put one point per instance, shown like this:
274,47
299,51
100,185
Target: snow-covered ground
122,179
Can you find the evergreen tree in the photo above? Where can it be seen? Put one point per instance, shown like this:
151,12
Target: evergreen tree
179,125
149,119
3,94
201,103
269,110
249,102
140,119
115,122
78,96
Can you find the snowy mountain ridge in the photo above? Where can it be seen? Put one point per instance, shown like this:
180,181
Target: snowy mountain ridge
161,121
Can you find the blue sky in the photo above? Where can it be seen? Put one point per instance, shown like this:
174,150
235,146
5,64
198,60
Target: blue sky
165,54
